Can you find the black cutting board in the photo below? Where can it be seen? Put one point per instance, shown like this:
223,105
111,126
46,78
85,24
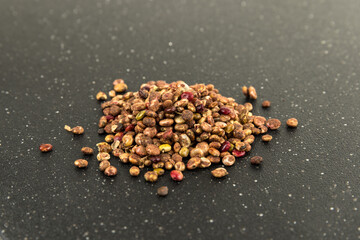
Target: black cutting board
303,56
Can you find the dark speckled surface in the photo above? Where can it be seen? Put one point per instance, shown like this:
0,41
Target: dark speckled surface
303,56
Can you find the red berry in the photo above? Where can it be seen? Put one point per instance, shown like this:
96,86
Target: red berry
130,128
187,95
200,108
176,175
224,110
119,137
238,153
109,117
225,146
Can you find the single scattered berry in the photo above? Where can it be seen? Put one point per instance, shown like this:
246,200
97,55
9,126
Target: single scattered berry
87,151
273,123
110,171
78,130
266,104
81,163
266,138
163,191
256,160
292,122
46,147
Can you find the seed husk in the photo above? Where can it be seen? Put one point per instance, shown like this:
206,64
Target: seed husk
219,172
163,191
68,128
292,122
101,96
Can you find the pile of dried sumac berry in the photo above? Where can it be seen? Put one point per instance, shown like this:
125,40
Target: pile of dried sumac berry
176,127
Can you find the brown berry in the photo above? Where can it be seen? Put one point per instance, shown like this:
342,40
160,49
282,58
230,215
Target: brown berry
110,171
117,81
266,104
252,92
245,91
134,171
228,160
266,138
78,130
256,160
87,151
273,123
219,172
151,176
45,147
104,165
112,93
101,96
120,87
81,163
292,122
163,191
